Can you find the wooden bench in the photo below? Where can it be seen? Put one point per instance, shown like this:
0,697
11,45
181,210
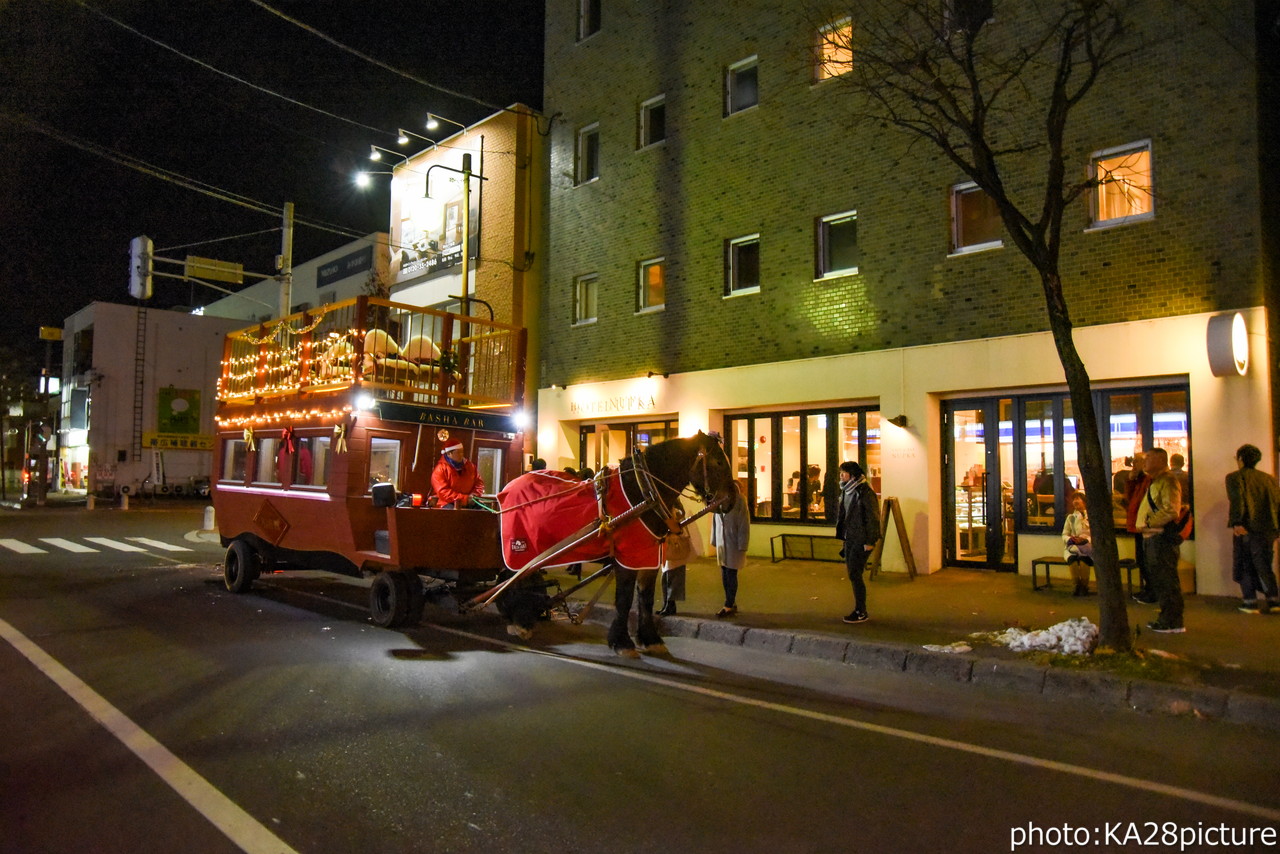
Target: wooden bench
1128,564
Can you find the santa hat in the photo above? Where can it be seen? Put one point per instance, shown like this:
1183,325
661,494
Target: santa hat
456,446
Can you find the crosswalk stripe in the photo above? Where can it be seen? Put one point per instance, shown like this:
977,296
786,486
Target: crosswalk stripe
114,544
22,548
67,544
156,544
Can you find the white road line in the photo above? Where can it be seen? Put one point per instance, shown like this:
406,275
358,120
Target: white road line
1178,792
22,548
114,544
67,544
240,827
156,544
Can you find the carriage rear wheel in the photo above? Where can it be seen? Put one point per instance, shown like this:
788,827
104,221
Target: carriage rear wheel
240,567
390,598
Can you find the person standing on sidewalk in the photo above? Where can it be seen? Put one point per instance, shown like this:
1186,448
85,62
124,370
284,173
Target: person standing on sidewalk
858,525
1161,506
730,534
1135,490
1253,514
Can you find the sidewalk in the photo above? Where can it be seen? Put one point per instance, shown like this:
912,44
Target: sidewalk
1225,666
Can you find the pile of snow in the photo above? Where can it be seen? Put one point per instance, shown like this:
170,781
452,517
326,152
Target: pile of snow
1074,637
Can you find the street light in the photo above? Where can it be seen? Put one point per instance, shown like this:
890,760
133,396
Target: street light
362,178
375,153
434,120
402,137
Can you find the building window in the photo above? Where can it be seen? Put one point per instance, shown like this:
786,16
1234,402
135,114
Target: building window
741,86
742,265
588,18
1124,182
836,245
975,219
787,463
651,292
833,50
584,298
967,16
587,155
653,121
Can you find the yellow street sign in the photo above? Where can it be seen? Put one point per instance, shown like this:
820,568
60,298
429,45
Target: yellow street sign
217,271
50,333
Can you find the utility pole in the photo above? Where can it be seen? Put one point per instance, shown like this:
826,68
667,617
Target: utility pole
286,262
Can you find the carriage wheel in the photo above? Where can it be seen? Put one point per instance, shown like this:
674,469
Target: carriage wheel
389,599
240,567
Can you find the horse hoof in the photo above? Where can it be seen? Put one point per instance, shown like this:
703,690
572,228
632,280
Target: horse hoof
519,632
655,649
626,652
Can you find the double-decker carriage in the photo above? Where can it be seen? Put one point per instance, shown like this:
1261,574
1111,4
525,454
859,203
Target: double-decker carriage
331,421
329,425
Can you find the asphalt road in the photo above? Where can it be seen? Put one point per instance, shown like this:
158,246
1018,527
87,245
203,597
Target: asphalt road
145,709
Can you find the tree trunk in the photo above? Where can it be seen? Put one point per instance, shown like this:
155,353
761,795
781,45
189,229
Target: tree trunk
1113,615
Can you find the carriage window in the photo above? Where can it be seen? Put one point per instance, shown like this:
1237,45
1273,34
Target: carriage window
235,455
266,471
311,461
489,467
384,460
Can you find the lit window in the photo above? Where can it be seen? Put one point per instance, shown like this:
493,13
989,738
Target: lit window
587,155
975,219
652,291
742,265
1124,182
588,18
742,88
584,298
833,50
653,121
837,245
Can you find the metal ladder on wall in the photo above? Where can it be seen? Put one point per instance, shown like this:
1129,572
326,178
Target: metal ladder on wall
139,377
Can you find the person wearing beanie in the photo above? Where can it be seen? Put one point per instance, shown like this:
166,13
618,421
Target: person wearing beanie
455,479
858,526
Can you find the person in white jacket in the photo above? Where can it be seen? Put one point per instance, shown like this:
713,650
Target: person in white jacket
1078,547
730,533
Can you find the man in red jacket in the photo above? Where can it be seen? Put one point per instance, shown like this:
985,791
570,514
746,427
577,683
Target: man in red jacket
455,478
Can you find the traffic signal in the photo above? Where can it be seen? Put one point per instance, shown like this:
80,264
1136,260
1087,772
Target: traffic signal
140,267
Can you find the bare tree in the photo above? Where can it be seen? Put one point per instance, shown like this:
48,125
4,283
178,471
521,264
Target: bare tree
995,98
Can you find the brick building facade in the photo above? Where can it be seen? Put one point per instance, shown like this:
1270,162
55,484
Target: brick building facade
730,249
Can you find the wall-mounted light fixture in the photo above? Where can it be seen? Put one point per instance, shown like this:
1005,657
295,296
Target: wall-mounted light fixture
362,178
375,153
664,374
899,421
434,120
1227,340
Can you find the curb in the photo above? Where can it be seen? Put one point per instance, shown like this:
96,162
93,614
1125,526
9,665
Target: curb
1090,686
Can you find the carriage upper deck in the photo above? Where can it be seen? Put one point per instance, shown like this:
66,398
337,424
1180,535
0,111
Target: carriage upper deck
388,351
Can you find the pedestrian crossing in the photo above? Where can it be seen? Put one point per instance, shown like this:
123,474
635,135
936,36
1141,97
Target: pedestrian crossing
88,545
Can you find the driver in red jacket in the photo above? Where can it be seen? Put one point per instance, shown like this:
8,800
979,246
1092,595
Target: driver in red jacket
455,478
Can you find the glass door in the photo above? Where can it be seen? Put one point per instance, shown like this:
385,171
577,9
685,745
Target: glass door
979,527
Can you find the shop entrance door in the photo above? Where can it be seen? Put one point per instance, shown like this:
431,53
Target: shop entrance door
978,499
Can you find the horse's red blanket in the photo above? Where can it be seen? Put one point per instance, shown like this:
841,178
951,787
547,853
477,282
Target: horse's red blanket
543,508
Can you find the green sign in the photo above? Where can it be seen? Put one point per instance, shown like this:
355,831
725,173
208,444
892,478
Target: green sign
178,411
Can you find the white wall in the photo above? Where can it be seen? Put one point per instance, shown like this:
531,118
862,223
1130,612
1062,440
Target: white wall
1225,412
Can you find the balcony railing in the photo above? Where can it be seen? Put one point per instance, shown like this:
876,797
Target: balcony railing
394,351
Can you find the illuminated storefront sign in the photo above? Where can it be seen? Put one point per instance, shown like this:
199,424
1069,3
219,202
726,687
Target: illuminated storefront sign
620,405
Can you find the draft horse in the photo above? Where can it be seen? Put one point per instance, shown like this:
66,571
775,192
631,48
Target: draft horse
659,475
621,519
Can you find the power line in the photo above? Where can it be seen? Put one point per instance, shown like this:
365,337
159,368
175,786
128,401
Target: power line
405,74
228,75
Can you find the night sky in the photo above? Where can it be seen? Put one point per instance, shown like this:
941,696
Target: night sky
70,79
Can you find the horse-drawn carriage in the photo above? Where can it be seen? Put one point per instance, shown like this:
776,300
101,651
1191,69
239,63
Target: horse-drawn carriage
329,427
